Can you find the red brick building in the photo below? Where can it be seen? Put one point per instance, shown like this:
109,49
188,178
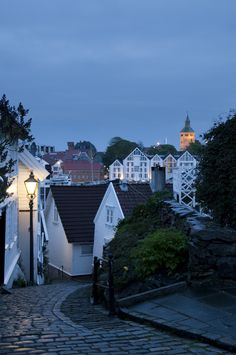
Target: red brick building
80,166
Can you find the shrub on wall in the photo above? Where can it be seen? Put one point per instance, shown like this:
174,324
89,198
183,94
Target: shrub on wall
164,250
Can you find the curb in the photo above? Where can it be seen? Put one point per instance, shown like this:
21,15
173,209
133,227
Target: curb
196,334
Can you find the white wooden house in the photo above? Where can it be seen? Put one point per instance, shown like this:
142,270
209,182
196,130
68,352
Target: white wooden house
14,221
69,215
136,166
28,163
116,170
117,203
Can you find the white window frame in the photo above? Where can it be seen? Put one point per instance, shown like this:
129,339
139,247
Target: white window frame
55,213
110,215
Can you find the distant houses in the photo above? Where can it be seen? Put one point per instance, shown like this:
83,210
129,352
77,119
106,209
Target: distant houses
79,166
136,167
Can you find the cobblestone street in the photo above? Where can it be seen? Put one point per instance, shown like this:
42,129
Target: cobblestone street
58,319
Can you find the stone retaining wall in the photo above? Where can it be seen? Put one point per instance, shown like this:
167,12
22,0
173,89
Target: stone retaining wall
212,249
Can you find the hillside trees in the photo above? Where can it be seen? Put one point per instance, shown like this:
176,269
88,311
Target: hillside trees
118,148
13,127
216,182
161,149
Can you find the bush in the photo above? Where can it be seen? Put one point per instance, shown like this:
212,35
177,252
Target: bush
163,250
144,220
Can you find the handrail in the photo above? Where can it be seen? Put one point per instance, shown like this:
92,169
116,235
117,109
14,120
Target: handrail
110,283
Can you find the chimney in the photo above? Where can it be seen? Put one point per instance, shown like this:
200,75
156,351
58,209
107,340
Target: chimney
124,186
71,145
158,178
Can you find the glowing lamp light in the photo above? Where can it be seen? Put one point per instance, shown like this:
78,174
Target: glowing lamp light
31,185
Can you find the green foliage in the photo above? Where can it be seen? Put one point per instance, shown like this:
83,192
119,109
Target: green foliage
216,182
144,220
163,250
161,149
195,148
13,127
118,149
20,282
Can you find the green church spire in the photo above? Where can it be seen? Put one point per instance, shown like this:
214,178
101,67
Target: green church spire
187,127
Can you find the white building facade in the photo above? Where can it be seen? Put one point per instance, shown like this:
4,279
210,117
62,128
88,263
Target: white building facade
136,167
14,222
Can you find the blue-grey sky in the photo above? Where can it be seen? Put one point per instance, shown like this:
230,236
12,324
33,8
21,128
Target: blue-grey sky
95,69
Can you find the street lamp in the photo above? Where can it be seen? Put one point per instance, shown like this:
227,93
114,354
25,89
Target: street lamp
31,186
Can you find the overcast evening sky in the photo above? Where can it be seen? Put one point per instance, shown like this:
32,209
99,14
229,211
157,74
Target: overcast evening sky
95,69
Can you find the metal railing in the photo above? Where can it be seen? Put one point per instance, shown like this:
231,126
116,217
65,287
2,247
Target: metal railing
109,284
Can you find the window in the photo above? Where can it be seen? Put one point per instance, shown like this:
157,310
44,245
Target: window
87,249
136,168
55,214
110,215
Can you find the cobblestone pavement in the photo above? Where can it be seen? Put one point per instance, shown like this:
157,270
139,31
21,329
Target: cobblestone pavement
59,319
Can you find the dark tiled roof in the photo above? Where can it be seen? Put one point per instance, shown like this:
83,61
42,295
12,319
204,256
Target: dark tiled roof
77,207
135,195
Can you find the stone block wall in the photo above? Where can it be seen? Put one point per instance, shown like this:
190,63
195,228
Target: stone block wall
212,249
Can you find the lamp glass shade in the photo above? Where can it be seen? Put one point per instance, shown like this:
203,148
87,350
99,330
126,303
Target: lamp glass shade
31,185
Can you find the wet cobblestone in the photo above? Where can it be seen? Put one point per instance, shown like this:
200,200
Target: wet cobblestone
59,319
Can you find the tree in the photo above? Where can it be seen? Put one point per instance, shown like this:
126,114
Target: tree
13,127
216,181
118,148
161,149
195,148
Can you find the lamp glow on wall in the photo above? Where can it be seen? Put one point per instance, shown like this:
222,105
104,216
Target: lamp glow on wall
31,187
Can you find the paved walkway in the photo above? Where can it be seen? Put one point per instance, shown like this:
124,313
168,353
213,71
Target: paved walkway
59,319
203,311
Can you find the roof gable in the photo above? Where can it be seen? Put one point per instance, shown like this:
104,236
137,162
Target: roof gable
186,156
110,190
136,152
32,164
169,156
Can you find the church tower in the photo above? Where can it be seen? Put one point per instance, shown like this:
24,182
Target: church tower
187,135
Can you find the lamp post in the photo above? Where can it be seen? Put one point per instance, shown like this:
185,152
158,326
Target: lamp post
31,186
